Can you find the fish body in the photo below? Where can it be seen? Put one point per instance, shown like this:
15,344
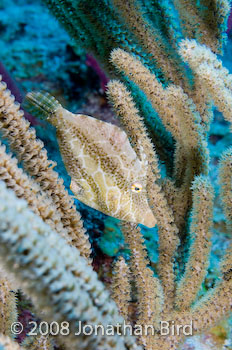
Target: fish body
106,173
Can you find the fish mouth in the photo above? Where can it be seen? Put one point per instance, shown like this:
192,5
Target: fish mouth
149,220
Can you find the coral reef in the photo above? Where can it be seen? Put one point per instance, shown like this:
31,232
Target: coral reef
77,293
166,79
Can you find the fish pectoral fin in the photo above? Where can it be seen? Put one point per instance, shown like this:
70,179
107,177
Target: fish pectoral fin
84,193
76,188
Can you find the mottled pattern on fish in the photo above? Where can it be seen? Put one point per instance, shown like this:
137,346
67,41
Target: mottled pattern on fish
106,174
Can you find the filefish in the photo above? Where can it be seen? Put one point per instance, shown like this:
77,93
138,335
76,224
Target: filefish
106,173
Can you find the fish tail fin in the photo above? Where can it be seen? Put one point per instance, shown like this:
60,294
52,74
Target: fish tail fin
42,105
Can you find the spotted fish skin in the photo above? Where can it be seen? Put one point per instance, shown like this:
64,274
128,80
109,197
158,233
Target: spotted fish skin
106,174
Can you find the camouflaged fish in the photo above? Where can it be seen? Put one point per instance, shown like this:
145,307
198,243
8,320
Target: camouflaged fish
106,174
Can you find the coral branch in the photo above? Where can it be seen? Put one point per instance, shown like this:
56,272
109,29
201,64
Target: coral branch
133,124
150,38
208,68
121,287
148,83
61,282
200,235
8,307
25,187
149,290
204,21
30,151
225,178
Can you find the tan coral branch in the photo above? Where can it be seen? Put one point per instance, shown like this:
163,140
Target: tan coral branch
149,290
200,233
213,76
132,123
25,187
168,230
225,179
205,30
8,307
31,152
149,84
150,38
121,287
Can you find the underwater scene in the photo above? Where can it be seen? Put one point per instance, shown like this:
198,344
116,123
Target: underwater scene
115,175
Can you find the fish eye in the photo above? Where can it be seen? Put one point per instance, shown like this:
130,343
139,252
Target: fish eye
136,187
